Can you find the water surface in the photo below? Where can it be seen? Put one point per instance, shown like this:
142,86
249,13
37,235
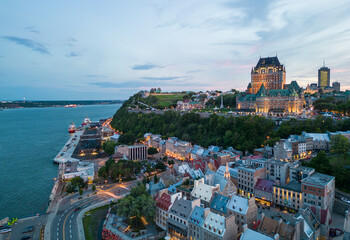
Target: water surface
29,140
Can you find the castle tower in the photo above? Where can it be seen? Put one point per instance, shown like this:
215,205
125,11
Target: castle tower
270,72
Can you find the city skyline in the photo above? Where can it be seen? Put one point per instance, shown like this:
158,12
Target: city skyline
86,50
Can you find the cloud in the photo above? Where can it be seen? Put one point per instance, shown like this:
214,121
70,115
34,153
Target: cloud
73,54
146,66
194,71
129,85
71,39
35,46
162,78
32,29
95,76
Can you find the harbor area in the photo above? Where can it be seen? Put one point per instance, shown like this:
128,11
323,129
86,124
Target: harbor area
65,155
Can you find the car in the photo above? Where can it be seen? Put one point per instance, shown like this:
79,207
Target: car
5,230
76,209
26,237
5,226
28,229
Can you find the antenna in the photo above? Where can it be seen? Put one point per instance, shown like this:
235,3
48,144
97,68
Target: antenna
324,63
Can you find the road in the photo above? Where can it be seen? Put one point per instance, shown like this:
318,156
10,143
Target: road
64,224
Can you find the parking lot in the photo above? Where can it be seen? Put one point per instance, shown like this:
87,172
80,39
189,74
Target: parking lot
21,224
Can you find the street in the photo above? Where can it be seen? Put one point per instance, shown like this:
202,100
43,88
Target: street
64,225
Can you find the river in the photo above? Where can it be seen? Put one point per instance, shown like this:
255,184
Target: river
29,140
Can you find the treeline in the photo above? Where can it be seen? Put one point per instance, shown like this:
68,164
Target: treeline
331,104
243,133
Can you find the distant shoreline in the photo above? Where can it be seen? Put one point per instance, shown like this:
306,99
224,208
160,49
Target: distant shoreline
43,104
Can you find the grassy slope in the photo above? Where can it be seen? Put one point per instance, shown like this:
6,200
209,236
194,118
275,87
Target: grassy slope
92,222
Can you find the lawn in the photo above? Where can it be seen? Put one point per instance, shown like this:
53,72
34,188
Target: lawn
92,221
167,100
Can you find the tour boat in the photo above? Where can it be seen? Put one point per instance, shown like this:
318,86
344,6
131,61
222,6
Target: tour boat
71,128
86,121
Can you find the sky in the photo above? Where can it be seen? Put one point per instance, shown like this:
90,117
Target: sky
111,49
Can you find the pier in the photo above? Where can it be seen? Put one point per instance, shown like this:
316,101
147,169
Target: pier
65,155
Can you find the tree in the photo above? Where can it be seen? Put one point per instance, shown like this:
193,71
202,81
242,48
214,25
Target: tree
77,182
155,179
103,173
165,158
321,163
170,162
152,151
93,187
161,166
339,145
81,191
109,147
138,203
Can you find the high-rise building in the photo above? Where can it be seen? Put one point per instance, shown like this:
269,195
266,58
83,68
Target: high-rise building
336,86
270,72
324,77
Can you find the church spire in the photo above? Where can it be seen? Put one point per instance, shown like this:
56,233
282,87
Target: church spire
227,172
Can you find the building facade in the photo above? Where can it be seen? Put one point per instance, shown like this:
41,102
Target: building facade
268,72
324,77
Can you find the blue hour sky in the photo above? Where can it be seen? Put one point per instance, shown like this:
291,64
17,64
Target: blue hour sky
111,49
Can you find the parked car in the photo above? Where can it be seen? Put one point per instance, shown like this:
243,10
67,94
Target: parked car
28,229
26,237
5,230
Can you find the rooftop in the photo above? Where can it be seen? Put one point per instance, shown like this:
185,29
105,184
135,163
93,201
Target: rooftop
292,185
250,234
238,204
197,216
264,185
219,203
319,179
215,224
181,208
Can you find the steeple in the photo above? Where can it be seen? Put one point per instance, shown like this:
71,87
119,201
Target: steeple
227,172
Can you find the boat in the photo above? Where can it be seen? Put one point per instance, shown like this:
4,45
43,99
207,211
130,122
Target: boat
86,121
71,128
71,106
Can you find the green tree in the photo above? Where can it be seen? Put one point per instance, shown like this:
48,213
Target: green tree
77,182
81,191
170,162
161,166
321,163
165,158
152,151
93,187
103,173
109,147
155,179
339,145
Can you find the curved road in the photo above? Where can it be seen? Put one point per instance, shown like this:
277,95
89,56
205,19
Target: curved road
64,225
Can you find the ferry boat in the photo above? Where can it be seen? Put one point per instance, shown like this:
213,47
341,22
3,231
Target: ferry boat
71,106
86,121
71,128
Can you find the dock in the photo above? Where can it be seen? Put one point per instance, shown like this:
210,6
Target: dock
65,155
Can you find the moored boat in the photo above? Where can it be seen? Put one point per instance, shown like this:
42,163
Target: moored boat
71,128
